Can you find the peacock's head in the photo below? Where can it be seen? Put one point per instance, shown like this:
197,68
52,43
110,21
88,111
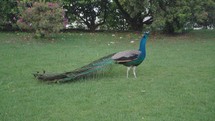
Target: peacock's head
146,33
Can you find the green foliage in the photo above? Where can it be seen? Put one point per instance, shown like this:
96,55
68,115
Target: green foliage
171,16
207,16
134,7
115,20
8,14
135,12
43,18
180,15
89,13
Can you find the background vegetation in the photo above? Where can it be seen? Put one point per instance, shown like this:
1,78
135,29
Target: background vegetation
42,18
176,16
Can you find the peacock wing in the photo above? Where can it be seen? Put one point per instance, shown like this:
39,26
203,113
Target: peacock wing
126,56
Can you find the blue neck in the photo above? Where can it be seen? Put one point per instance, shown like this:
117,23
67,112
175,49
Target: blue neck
143,45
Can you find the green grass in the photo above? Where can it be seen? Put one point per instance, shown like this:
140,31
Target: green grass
176,82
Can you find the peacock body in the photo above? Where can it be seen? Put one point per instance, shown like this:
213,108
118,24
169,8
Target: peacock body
130,58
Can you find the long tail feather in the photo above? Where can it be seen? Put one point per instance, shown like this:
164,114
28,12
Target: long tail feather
83,72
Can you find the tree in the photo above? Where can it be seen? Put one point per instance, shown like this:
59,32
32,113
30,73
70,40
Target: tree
8,14
44,18
136,12
207,18
92,13
115,19
180,15
175,13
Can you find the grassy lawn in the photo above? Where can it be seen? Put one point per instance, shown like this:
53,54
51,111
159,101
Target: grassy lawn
176,82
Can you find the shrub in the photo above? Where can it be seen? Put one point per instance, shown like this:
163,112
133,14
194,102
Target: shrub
8,14
43,18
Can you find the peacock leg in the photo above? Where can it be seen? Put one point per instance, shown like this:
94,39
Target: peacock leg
128,69
134,71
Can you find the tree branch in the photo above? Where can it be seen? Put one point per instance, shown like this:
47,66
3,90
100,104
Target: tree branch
124,12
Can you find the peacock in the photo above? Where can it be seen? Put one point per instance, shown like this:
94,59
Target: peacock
129,58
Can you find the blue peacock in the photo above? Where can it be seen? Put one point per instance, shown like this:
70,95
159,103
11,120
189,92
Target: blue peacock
130,58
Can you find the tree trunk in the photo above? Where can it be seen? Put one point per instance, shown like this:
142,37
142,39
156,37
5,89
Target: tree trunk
92,27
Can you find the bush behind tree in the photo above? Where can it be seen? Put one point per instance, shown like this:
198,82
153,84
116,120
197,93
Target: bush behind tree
44,18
